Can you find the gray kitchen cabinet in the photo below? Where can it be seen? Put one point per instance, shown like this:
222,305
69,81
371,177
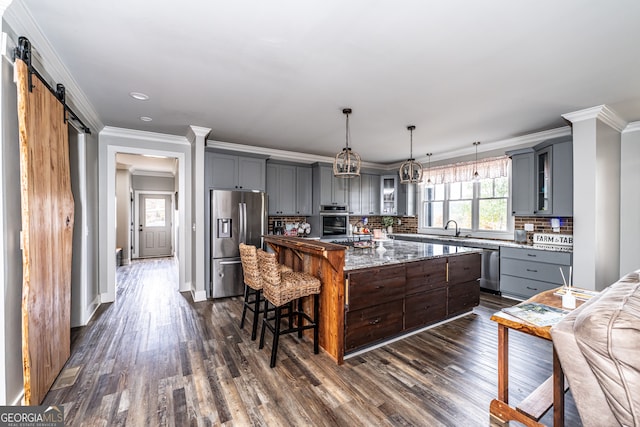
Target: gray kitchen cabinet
364,195
303,191
228,171
281,189
522,183
331,190
289,189
525,272
542,179
355,195
406,200
562,179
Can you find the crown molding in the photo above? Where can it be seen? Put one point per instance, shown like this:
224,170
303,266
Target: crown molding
143,135
157,174
523,141
632,127
195,132
293,156
19,18
601,112
275,154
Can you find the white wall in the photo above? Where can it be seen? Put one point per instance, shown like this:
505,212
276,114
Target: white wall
123,213
116,140
630,199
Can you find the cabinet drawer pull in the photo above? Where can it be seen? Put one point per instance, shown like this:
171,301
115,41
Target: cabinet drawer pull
533,289
375,321
532,255
380,287
531,270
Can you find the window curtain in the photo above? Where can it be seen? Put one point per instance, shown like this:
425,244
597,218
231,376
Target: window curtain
493,167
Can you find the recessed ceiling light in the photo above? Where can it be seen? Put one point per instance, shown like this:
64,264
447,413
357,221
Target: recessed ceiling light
139,96
146,119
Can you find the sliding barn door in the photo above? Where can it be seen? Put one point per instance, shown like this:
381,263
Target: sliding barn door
47,226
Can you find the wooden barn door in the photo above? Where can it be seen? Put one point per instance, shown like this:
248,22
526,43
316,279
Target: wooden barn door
47,227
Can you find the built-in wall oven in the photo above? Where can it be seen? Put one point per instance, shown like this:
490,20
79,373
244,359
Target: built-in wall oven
334,220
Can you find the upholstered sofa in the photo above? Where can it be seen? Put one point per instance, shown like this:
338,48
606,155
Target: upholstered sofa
599,349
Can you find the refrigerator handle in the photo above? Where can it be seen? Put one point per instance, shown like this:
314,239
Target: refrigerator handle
242,212
244,222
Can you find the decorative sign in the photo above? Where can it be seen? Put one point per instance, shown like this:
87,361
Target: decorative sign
553,239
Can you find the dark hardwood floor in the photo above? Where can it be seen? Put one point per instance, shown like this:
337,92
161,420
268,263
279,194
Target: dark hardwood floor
154,357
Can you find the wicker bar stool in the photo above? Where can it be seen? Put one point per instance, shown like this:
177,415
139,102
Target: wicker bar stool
280,289
252,286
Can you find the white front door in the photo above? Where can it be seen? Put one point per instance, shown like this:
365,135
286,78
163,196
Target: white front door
155,225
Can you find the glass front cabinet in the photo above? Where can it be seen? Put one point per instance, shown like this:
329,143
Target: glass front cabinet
543,181
389,192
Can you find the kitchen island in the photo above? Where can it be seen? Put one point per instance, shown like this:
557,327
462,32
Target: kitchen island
370,295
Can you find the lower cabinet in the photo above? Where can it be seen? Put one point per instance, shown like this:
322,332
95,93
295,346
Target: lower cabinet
425,308
526,272
384,302
373,324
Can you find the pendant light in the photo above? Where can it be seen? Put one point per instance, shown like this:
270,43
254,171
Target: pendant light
429,182
476,176
347,162
410,171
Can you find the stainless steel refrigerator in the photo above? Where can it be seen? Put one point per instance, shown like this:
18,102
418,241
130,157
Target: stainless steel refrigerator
236,217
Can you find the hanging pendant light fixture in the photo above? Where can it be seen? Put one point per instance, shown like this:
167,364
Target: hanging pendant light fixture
476,176
347,162
429,182
410,171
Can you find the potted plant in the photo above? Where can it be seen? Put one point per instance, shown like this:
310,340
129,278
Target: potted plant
388,222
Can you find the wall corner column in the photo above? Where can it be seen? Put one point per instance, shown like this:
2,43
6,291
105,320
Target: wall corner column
596,196
197,137
630,199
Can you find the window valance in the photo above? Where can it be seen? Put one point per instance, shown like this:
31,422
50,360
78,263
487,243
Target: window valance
493,167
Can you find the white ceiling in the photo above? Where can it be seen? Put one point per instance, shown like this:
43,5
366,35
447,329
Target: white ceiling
277,73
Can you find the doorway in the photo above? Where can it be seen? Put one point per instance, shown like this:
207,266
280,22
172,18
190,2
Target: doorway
155,225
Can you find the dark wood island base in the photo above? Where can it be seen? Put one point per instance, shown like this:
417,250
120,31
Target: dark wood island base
369,305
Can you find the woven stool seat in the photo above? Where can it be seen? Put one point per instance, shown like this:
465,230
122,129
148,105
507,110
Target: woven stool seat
293,285
282,289
253,284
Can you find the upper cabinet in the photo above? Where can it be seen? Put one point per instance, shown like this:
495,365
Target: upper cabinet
522,182
289,189
364,195
232,172
542,179
407,199
330,190
389,194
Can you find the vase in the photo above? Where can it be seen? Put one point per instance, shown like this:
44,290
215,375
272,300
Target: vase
390,229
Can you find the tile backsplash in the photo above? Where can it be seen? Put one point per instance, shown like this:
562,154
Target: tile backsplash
543,225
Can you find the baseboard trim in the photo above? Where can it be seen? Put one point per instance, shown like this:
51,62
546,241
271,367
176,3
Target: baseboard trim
200,295
18,400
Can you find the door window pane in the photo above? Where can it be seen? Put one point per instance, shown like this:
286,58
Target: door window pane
154,212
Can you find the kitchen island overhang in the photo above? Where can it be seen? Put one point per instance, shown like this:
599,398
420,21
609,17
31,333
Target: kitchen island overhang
369,296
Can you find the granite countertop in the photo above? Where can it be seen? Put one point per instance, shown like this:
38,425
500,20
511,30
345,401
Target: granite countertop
399,251
477,243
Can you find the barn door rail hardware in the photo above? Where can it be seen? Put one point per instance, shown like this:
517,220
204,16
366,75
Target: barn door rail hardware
23,52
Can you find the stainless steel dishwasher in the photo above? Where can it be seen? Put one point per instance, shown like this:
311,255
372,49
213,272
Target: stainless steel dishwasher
490,276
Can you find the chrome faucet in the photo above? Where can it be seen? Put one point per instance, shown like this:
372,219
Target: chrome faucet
446,226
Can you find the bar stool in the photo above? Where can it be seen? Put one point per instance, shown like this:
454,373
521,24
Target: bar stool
252,286
280,289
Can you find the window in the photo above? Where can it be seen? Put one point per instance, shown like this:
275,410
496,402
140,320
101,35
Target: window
477,206
154,212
